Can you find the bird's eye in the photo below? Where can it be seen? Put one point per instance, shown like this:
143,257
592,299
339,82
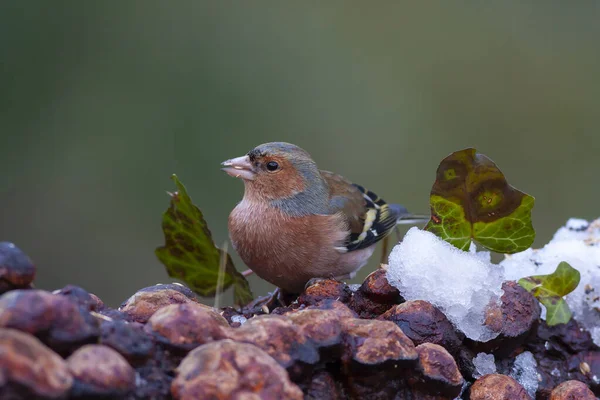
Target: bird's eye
272,166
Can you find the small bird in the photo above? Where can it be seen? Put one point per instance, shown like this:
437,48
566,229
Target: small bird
296,222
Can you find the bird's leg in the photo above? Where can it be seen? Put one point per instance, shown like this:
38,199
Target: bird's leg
397,231
275,298
247,272
384,251
283,298
269,302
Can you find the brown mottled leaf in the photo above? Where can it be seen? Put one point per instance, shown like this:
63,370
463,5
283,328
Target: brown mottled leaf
190,254
471,199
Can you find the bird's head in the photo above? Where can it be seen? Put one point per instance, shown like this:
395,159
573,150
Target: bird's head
275,170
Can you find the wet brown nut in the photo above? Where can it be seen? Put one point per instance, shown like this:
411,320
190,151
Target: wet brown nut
80,296
16,268
186,326
325,289
498,387
375,296
54,319
28,369
322,328
322,387
375,356
279,337
27,310
321,325
377,288
115,315
129,339
72,328
516,319
100,371
232,370
585,367
438,373
146,301
422,322
367,308
572,390
374,343
97,302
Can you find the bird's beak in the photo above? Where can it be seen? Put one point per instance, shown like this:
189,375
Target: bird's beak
239,167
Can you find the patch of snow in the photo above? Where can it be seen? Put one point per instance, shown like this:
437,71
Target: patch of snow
484,364
525,372
139,381
354,287
461,284
485,256
578,243
238,318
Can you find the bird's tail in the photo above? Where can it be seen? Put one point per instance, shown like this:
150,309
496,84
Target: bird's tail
403,217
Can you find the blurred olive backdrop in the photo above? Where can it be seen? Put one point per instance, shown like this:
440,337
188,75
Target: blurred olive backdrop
100,102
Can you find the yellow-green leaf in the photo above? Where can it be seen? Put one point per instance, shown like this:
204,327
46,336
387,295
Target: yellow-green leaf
190,254
550,289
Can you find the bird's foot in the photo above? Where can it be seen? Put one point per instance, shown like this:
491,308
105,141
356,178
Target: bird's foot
269,302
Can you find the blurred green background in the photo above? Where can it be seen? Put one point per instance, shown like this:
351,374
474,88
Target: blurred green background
100,102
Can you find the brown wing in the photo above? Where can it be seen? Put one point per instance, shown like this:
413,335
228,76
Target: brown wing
346,197
369,217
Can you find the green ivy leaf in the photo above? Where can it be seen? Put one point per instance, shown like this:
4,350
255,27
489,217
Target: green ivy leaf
190,254
471,199
550,289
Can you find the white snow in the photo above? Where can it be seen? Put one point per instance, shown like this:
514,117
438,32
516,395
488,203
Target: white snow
354,287
525,372
461,284
484,364
238,318
485,256
578,243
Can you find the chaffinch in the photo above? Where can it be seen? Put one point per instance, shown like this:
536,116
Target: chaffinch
297,222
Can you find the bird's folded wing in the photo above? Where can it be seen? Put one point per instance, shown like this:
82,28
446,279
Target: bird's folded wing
369,217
